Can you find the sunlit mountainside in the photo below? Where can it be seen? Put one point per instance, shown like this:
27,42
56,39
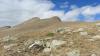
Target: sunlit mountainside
50,37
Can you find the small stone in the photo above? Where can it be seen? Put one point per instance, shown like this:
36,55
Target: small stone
7,38
98,24
99,30
91,39
71,43
31,45
96,37
9,46
37,42
47,50
60,30
83,33
93,55
48,44
74,53
68,29
28,42
80,29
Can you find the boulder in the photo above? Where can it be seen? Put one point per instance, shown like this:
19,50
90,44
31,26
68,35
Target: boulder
57,43
36,42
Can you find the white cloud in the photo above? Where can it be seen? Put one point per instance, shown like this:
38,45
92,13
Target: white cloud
89,13
51,13
71,15
89,10
22,10
15,11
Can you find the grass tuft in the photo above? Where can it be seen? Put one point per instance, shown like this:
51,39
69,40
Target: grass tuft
50,34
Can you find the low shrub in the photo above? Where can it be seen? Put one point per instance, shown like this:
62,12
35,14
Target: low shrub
50,34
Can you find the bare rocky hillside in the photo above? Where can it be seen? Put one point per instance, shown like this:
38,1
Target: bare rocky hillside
50,37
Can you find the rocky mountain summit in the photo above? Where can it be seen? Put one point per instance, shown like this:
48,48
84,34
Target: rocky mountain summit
51,37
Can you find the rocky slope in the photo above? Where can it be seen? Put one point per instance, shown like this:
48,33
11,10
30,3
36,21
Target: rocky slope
51,37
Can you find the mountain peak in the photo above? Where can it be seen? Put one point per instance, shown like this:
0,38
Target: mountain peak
55,18
34,19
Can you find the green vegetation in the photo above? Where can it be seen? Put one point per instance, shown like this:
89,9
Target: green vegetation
50,34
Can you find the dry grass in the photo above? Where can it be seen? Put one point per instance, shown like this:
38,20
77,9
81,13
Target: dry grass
42,29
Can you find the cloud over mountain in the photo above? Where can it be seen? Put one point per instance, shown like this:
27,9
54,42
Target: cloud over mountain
16,11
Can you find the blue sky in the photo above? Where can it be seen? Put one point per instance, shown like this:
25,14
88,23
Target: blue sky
78,3
13,12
